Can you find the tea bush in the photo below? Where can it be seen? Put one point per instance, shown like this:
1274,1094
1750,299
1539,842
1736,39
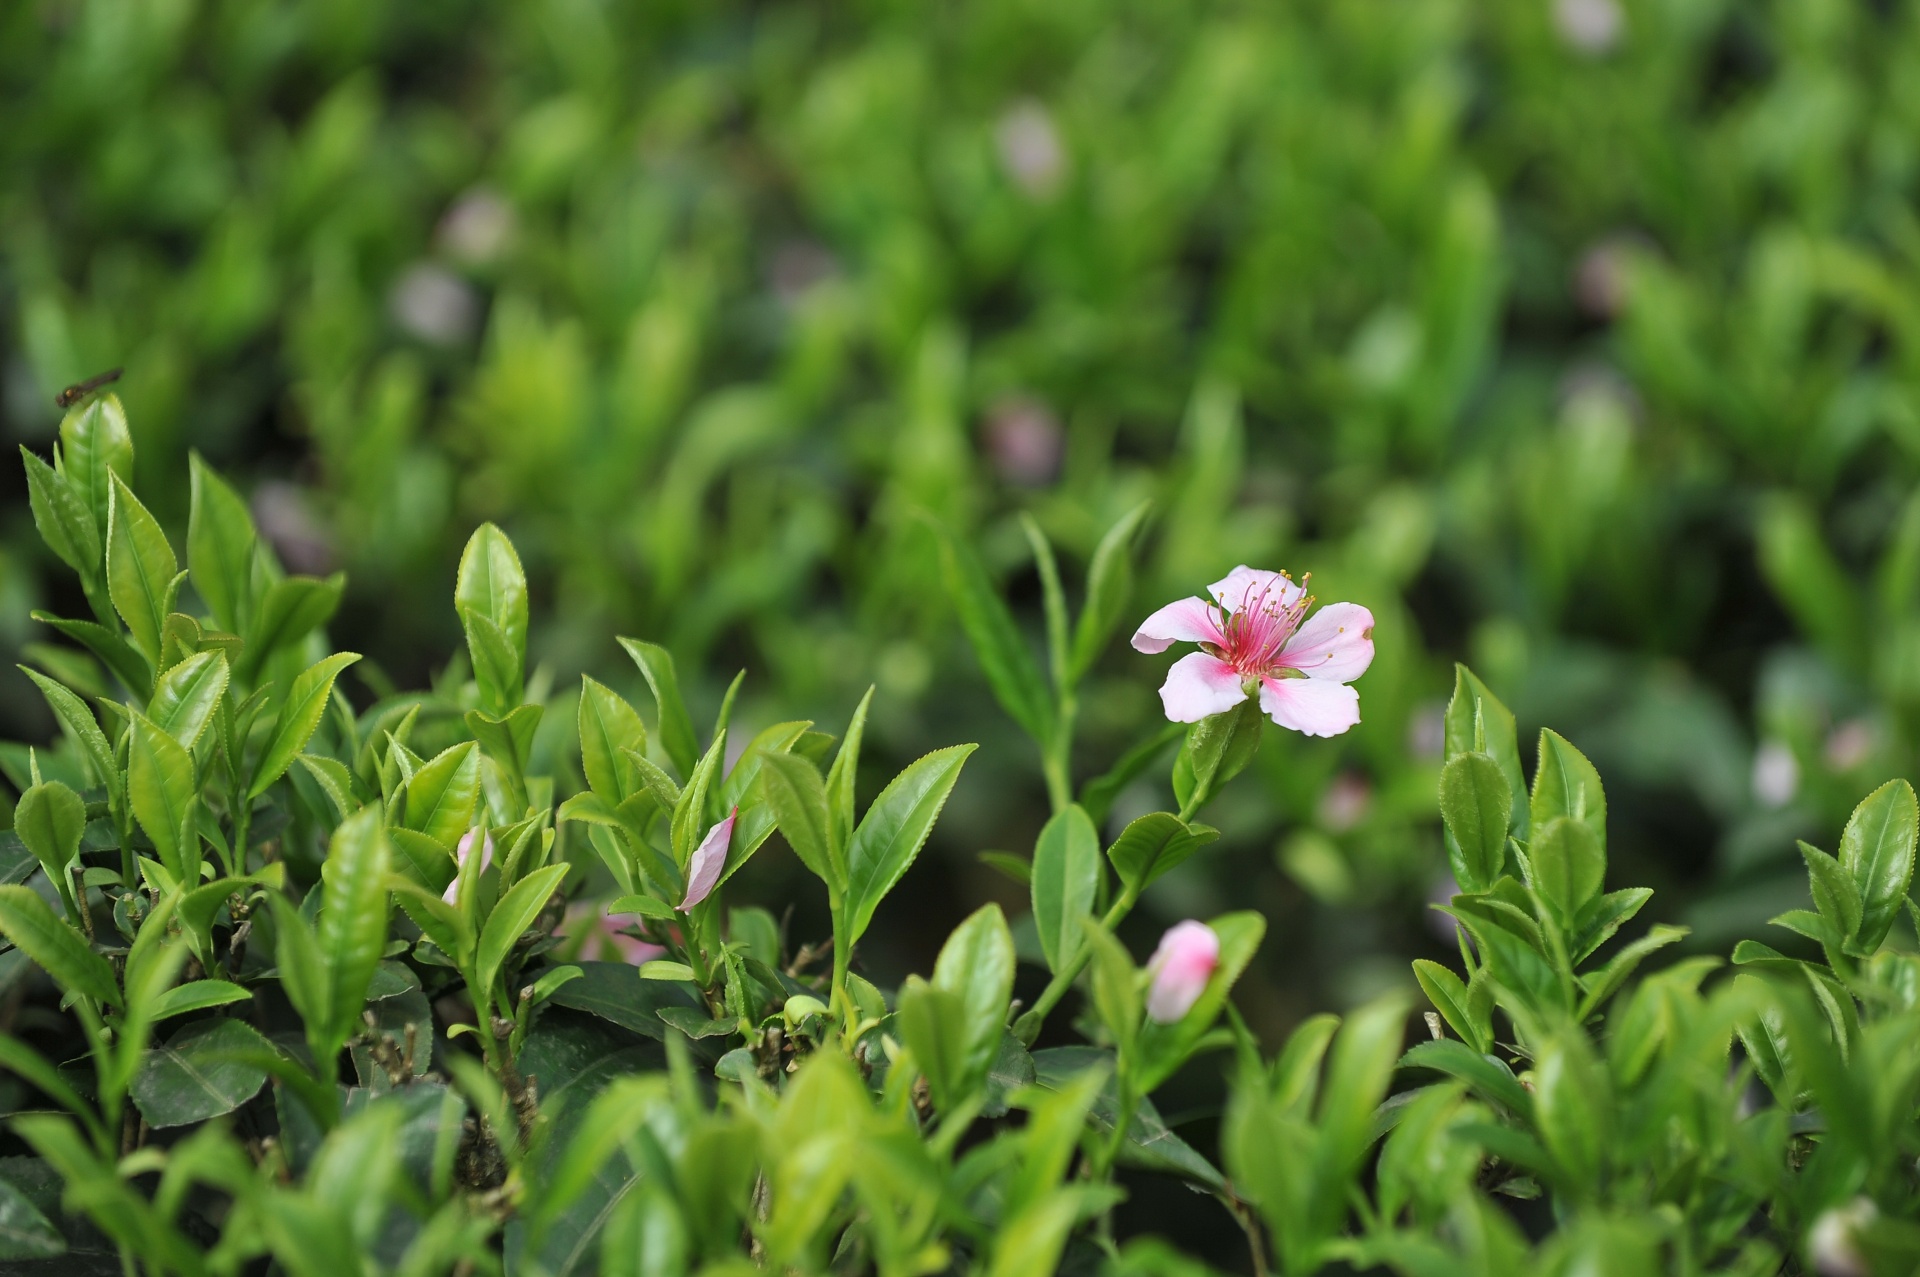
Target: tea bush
1575,336
343,990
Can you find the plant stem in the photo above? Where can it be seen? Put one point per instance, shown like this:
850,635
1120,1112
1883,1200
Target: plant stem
1056,760
1027,1028
842,960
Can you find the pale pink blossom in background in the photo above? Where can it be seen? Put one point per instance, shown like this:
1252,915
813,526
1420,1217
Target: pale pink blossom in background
604,931
1849,745
1252,639
460,855
1024,441
1592,27
1187,957
1031,151
703,870
1345,802
1832,1247
1776,774
477,229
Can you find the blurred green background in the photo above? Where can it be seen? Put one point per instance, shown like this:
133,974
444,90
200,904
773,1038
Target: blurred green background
1576,338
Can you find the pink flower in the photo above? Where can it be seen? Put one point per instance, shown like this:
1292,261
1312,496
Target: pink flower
608,931
709,858
1254,638
460,855
1187,957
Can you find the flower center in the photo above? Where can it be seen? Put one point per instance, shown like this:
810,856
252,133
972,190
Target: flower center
1258,629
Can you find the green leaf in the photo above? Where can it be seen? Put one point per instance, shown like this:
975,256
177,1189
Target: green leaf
1572,1108
1109,589
793,789
291,609
1602,984
95,447
1876,850
1568,864
164,791
1065,879
511,918
303,973
1218,748
50,818
497,669
1566,784
1053,597
131,668
442,794
334,780
24,1232
1357,1076
1448,993
932,1024
1154,844
843,777
200,995
140,569
1476,722
1834,892
1486,1076
676,728
609,725
199,1074
507,741
80,724
894,829
1476,805
615,992
1809,580
299,716
976,967
1163,1048
492,584
221,543
1004,657
53,943
1114,983
184,700
64,521
353,916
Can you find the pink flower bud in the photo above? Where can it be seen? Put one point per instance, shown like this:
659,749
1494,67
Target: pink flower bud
1187,957
703,870
460,855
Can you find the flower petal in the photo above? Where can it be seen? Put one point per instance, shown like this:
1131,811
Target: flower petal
1314,706
1244,587
1198,686
709,858
1182,621
1336,643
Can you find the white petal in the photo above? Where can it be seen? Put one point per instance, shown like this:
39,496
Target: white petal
1244,587
1182,621
1336,643
1315,706
709,858
1199,686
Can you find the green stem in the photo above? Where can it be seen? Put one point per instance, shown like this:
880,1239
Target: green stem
1027,1028
842,961
1056,759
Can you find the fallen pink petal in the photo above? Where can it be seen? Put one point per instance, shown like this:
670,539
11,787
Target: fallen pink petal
1256,638
709,858
1188,956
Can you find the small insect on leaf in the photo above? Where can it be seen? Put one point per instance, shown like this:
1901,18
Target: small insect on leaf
81,389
